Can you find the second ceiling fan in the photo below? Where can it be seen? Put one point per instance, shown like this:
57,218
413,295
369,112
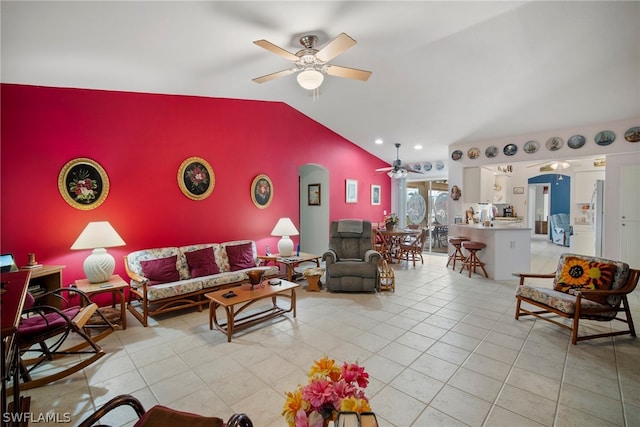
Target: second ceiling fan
398,170
312,64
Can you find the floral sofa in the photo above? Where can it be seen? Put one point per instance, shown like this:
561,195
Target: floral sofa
173,278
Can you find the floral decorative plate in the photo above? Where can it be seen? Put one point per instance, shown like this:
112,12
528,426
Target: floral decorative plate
605,137
473,153
427,166
554,144
439,165
456,155
531,147
510,149
491,152
633,134
576,141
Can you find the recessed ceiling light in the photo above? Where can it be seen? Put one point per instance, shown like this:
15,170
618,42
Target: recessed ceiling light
418,147
378,141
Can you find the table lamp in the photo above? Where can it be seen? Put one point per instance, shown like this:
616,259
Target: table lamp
285,228
99,266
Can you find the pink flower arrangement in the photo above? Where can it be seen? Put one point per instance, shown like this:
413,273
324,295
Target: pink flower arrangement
330,389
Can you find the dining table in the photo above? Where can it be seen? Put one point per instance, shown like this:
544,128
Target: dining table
393,240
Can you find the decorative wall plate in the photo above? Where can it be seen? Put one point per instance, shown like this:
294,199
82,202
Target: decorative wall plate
510,149
473,153
439,165
576,141
554,144
427,167
262,191
196,178
83,183
605,137
633,134
491,152
531,147
416,167
456,155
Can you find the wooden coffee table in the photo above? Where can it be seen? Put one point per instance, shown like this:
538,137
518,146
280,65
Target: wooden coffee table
239,318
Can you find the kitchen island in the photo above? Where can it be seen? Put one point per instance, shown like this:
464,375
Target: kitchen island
508,247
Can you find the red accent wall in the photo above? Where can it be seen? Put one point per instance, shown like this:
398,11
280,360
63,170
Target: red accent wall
141,140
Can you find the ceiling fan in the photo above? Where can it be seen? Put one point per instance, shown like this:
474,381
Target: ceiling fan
398,170
312,64
558,165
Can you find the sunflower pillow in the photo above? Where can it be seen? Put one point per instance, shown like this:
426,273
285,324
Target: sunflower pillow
582,273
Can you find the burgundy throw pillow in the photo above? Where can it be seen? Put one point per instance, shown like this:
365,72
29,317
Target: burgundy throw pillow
240,257
202,262
161,270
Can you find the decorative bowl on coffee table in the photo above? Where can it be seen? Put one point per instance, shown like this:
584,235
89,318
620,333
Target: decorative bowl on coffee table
255,277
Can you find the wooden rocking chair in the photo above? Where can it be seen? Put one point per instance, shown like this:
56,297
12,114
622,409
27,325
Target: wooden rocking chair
45,330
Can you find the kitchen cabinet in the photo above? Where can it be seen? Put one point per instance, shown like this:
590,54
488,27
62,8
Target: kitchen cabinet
478,184
630,215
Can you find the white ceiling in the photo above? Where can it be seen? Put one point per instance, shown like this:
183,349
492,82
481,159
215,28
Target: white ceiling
443,72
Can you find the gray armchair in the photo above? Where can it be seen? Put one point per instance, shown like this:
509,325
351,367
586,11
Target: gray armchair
561,229
351,263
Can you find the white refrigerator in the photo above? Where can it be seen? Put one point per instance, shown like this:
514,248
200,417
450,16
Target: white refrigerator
597,215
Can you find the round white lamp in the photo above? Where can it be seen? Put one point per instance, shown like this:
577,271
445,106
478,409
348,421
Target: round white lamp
310,79
99,266
285,228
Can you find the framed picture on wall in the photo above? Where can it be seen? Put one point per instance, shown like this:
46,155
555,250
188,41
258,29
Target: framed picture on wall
196,178
83,183
351,191
313,197
518,190
261,191
375,194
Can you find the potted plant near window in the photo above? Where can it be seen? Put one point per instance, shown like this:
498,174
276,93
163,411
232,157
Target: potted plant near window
390,221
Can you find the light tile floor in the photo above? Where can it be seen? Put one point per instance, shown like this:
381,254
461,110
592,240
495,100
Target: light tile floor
443,350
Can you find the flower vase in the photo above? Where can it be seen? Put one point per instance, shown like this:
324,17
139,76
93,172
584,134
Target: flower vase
390,227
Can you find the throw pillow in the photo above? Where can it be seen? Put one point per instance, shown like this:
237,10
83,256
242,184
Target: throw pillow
161,270
240,256
202,262
580,273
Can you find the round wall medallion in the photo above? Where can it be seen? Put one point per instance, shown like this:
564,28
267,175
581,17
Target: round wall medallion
633,134
439,165
510,149
605,137
456,155
531,147
554,144
491,152
576,141
473,153
427,166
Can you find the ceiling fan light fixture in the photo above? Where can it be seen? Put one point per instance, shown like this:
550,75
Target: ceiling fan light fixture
399,173
310,79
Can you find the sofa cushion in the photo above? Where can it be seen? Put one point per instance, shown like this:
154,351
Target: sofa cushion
584,273
201,262
240,256
161,270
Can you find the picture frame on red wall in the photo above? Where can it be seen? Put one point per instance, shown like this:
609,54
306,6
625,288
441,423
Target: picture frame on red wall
351,191
83,183
261,191
196,178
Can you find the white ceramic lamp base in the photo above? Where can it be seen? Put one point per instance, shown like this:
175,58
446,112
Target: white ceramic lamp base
285,246
99,266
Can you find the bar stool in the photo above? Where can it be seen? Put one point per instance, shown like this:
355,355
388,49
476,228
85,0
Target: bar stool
456,255
472,259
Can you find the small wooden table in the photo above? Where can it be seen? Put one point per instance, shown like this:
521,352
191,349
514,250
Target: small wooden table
245,297
115,285
292,261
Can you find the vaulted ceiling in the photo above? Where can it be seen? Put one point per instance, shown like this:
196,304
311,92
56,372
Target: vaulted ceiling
443,72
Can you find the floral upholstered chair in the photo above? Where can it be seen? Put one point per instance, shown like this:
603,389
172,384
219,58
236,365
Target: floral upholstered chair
583,288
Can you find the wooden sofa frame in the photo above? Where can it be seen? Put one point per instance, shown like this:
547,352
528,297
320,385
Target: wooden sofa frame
580,311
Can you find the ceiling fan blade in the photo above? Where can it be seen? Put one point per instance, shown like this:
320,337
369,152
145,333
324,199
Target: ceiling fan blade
349,73
276,49
384,169
275,75
335,47
537,164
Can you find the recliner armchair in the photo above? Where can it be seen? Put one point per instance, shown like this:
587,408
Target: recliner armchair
561,229
351,263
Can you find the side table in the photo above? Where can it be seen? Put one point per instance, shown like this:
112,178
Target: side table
115,285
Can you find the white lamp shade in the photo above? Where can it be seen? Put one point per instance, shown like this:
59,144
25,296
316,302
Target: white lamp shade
99,266
310,79
285,228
